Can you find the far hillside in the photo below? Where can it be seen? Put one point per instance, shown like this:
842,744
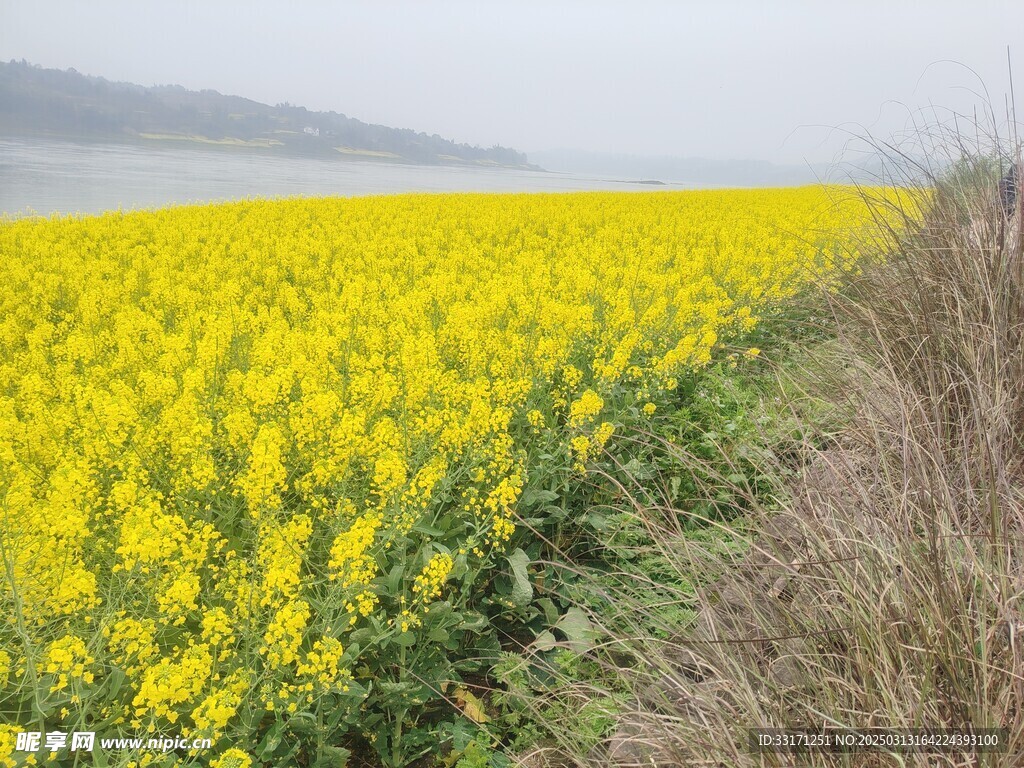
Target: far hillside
69,105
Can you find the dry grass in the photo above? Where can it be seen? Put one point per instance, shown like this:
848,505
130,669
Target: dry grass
883,583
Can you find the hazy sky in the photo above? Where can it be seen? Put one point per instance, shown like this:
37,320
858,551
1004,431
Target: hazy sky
708,79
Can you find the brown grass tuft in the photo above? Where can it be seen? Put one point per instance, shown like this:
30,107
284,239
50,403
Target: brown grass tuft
883,581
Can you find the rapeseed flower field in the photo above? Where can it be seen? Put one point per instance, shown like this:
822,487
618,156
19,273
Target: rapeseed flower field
263,465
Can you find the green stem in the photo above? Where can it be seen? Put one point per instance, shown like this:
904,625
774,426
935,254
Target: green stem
396,742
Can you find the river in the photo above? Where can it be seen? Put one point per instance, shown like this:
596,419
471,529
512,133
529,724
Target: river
59,177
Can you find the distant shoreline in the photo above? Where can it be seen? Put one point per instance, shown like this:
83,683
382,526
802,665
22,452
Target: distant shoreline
263,149
653,182
67,105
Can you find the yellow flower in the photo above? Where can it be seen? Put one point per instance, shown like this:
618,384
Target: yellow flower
352,561
581,451
427,585
284,633
232,758
68,659
584,409
224,427
602,433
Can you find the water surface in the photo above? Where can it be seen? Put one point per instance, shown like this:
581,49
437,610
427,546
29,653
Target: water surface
46,177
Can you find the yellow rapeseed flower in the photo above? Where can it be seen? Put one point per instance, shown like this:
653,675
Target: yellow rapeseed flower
240,423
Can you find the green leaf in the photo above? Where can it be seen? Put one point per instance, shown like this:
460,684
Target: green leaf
578,628
302,724
363,636
522,589
545,641
395,688
550,611
473,621
406,639
428,530
271,741
114,681
393,582
99,757
534,497
332,757
250,717
437,635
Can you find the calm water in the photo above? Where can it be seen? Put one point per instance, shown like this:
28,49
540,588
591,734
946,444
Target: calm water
46,177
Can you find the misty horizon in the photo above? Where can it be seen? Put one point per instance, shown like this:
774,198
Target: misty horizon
789,85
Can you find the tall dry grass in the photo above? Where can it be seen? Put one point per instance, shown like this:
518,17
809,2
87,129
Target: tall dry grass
884,578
